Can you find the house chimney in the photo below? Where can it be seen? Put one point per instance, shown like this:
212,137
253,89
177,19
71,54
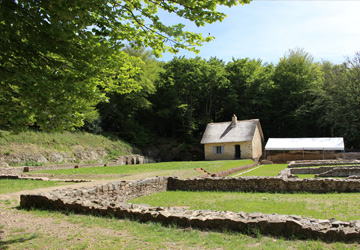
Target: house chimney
234,121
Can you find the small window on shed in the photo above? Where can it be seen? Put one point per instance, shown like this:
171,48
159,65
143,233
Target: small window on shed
218,149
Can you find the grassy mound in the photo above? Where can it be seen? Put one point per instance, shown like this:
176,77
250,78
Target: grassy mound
32,146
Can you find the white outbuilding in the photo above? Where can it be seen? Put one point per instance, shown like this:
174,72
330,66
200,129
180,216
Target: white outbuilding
289,149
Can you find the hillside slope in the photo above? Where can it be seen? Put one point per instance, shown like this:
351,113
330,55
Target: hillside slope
34,148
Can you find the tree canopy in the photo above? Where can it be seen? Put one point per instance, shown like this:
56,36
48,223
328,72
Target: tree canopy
59,58
297,97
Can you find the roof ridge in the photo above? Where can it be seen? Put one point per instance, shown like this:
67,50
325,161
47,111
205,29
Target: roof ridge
237,121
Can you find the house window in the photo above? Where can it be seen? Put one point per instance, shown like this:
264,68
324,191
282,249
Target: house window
218,149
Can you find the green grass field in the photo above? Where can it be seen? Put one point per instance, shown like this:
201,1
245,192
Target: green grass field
342,206
264,170
305,176
56,230
10,186
112,233
210,166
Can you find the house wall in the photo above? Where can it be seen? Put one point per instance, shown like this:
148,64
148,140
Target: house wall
257,145
229,151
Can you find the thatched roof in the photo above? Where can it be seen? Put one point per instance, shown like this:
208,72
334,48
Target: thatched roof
222,132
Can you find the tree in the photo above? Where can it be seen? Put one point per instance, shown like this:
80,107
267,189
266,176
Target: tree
250,82
58,58
128,114
187,95
214,89
338,100
295,76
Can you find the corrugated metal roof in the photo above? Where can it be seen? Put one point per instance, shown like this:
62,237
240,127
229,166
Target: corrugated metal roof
222,132
320,143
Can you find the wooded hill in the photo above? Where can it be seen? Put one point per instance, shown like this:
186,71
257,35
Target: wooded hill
297,97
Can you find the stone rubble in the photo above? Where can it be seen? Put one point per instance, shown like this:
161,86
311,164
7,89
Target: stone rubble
7,176
307,163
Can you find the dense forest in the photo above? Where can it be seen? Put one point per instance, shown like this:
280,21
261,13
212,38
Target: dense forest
297,97
68,65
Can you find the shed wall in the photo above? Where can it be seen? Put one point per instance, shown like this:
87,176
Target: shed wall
282,157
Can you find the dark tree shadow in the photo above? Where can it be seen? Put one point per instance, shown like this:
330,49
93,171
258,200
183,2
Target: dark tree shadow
4,244
227,130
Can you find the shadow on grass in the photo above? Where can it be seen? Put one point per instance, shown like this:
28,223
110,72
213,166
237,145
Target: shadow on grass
4,244
251,231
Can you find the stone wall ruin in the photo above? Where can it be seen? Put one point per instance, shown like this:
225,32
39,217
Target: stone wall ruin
121,160
301,164
111,199
339,171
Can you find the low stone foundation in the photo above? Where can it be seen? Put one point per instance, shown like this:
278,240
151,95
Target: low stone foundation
122,160
341,172
309,170
110,199
265,184
301,164
11,170
19,177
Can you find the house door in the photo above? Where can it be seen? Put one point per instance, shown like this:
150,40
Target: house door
237,152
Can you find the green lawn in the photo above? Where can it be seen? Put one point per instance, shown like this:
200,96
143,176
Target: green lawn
264,170
342,206
91,232
219,166
112,233
11,185
305,176
36,142
210,166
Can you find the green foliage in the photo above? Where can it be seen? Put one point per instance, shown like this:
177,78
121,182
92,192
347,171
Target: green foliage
27,163
249,92
338,97
187,95
294,78
127,114
58,59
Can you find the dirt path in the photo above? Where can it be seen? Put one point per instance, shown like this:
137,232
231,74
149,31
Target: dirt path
16,195
19,228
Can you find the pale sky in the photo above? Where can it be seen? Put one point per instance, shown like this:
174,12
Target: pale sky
267,29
